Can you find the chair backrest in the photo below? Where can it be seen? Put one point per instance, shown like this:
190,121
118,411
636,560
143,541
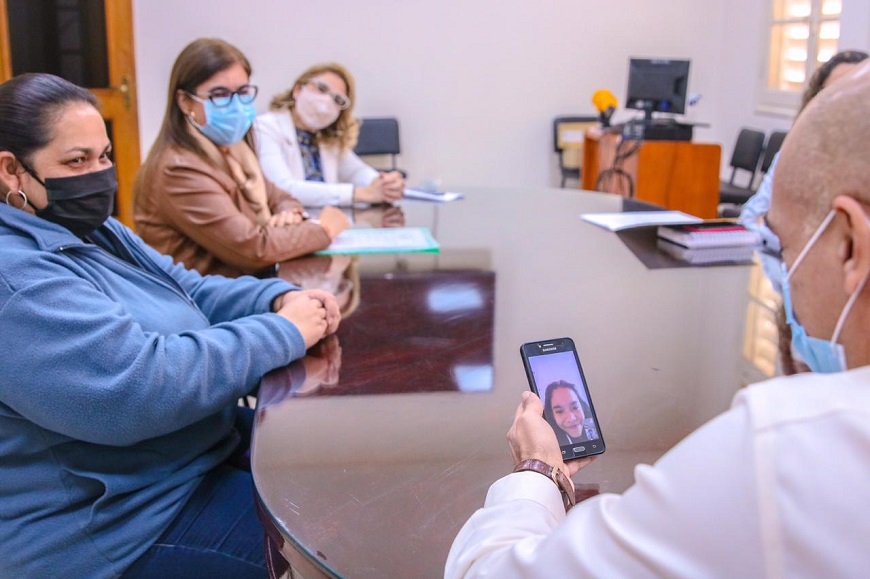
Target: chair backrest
747,150
774,144
568,131
378,137
568,136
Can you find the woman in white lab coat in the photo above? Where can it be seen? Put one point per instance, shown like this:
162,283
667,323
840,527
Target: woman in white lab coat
305,143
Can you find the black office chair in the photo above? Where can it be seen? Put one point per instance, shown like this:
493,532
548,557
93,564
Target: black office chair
568,135
747,153
774,144
379,137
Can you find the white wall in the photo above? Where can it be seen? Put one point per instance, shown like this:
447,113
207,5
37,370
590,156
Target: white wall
475,83
743,65
855,26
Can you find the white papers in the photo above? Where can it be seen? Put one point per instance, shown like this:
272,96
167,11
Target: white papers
629,219
572,136
382,240
438,197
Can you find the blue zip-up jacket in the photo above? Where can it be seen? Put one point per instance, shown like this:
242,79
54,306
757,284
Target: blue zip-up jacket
118,382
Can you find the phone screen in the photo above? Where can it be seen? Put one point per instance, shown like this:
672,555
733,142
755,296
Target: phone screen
555,375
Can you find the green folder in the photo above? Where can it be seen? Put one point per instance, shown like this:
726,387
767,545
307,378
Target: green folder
383,240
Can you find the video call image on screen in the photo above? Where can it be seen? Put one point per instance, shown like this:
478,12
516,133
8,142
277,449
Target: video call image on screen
566,401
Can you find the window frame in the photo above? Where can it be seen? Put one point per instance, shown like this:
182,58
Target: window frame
780,102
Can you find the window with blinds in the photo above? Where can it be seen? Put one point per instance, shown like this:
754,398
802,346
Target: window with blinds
802,34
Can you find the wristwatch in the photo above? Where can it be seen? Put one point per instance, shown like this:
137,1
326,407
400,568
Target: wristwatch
555,474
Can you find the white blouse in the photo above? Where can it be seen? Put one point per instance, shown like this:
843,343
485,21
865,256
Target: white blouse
281,161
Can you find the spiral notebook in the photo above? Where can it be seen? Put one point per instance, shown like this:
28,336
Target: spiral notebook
713,233
737,254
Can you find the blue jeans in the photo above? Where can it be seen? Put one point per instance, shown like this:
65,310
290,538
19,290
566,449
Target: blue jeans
217,533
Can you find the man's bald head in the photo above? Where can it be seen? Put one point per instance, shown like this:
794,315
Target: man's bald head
827,152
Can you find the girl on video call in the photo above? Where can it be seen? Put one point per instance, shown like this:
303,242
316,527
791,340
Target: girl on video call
566,412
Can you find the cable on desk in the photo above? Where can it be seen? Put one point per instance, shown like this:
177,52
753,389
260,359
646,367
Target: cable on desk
615,172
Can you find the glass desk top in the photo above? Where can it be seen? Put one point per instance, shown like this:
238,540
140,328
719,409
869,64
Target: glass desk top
370,453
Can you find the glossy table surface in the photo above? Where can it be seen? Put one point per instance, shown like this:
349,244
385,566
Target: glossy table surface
370,453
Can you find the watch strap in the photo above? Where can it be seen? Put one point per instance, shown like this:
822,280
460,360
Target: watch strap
555,474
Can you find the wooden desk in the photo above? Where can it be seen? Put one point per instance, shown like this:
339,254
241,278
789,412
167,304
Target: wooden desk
673,174
370,453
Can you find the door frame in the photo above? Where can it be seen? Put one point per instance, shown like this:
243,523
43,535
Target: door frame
118,103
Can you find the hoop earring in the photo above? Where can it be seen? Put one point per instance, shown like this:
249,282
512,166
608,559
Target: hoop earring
21,194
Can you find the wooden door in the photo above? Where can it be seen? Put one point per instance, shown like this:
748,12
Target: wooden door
90,43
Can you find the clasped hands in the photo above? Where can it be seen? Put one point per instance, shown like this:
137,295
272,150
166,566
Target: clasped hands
385,188
314,312
530,436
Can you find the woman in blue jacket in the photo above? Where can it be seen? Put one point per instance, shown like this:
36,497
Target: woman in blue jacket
121,370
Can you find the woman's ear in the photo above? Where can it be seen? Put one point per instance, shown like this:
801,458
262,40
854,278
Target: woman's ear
856,264
10,172
182,101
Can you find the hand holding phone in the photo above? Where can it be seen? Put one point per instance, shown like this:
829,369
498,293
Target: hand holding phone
555,375
531,437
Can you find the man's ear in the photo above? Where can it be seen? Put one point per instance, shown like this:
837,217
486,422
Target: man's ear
10,172
857,261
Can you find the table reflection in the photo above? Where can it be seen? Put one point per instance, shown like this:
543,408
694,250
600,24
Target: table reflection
378,486
379,216
420,331
317,373
336,274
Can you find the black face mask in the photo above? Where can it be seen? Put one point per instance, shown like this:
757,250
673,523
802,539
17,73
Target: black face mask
80,203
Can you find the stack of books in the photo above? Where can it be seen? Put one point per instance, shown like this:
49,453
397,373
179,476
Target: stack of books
714,241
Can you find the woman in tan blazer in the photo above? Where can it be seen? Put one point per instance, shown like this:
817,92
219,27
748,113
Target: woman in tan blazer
201,196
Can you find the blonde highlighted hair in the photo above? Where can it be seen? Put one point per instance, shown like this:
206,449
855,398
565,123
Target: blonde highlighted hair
345,130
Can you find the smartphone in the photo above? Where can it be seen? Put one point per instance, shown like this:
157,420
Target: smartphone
555,375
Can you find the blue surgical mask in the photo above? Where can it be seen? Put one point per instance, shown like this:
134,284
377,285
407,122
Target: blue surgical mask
226,125
773,268
826,356
770,253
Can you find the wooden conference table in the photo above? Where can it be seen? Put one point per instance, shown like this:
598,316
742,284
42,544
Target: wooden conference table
369,454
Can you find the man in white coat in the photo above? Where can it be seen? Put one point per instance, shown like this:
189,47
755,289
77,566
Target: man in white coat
777,486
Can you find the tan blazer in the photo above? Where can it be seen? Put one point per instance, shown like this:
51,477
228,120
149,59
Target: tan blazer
195,212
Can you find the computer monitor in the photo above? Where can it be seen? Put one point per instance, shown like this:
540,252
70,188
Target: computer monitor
657,85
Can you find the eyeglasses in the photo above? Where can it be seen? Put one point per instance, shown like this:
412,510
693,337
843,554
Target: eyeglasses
222,97
339,99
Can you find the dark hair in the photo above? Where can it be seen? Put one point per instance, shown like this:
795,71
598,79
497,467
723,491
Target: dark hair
30,105
197,62
548,401
820,77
